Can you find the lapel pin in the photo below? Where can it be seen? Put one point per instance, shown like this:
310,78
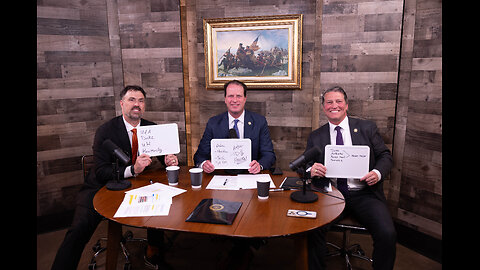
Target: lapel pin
355,130
249,123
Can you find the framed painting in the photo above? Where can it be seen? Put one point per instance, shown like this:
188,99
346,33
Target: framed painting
263,52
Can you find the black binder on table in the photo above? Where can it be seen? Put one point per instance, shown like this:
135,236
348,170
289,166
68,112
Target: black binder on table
215,211
292,183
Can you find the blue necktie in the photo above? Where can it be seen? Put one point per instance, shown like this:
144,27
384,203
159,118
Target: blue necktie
236,127
341,182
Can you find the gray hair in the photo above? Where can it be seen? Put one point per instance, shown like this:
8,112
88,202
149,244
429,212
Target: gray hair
335,89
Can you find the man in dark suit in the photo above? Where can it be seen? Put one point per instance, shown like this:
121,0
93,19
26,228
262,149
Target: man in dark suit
364,197
86,219
250,125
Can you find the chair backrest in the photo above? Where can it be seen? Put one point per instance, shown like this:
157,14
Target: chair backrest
87,163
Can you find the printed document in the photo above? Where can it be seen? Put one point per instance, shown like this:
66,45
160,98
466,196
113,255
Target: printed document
150,200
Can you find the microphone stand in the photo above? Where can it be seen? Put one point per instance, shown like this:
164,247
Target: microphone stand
303,196
117,184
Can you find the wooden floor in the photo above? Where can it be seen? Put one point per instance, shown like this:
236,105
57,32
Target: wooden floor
194,251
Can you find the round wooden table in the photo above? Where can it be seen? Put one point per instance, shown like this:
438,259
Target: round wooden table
255,219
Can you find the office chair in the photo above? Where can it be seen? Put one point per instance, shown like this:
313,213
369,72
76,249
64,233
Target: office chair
87,164
348,225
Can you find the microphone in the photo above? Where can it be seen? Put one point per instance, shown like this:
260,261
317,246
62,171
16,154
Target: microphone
304,196
116,184
113,148
232,134
305,157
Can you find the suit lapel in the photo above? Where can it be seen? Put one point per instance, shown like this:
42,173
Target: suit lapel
224,125
248,125
123,135
323,140
354,131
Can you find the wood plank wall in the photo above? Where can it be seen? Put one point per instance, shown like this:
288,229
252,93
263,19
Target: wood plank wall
87,51
150,40
355,44
288,112
359,45
74,95
416,186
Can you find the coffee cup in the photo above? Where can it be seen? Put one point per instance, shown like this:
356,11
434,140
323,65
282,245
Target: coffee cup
196,177
172,175
263,188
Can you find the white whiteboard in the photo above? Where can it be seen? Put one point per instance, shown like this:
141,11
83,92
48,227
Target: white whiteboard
231,153
158,140
347,161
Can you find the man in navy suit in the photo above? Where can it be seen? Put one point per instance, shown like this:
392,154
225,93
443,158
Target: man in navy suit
364,197
250,125
86,219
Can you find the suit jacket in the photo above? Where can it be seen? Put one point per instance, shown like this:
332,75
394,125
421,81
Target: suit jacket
363,132
102,172
255,128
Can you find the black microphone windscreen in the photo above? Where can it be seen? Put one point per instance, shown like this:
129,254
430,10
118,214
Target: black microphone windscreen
109,145
232,134
113,148
312,153
305,157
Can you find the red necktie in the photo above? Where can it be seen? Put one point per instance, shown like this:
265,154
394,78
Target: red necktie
134,146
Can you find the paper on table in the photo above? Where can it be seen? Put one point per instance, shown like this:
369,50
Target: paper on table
225,182
241,181
157,187
138,205
249,181
150,200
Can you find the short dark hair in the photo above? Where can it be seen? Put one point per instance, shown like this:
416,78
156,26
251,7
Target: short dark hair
237,83
132,88
335,89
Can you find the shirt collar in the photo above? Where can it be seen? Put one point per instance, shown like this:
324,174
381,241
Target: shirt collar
344,125
241,117
127,125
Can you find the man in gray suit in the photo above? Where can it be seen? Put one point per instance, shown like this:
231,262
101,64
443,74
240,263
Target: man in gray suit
364,198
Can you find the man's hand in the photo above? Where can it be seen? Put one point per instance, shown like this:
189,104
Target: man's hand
371,178
142,161
171,160
318,170
254,167
208,166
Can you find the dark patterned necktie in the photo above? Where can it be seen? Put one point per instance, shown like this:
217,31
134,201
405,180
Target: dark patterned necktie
341,182
236,127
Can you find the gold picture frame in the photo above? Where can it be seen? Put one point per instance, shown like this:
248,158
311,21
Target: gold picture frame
264,52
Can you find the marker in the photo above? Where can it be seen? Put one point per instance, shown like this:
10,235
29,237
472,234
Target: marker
225,182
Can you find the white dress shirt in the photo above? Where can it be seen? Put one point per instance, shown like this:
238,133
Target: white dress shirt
240,124
128,173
